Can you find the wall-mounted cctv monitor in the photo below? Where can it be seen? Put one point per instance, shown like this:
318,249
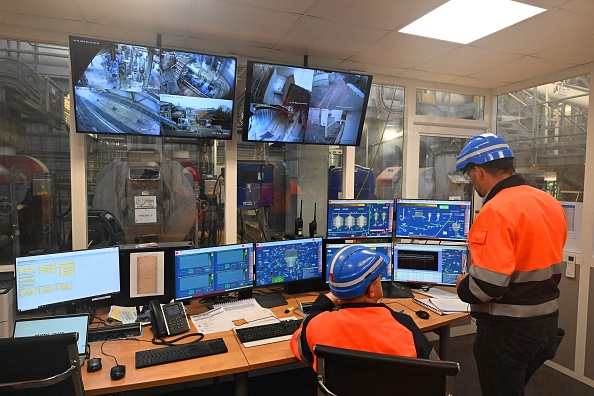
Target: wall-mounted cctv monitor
432,219
122,88
288,104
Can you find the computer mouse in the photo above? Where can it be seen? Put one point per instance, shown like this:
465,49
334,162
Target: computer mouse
422,314
117,372
94,364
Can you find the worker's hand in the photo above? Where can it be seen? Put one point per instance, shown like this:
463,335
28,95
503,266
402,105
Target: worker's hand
459,279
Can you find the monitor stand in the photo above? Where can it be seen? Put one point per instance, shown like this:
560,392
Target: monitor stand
270,300
396,290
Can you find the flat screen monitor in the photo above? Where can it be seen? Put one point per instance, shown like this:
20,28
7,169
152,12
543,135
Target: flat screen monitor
360,218
429,264
383,247
55,279
432,219
211,271
280,262
288,104
122,88
146,272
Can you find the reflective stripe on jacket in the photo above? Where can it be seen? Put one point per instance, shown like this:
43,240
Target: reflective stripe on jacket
516,246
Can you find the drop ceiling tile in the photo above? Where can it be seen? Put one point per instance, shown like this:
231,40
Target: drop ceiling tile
585,7
214,18
466,60
370,69
377,14
427,76
403,50
549,29
315,36
298,7
50,9
577,52
476,83
521,69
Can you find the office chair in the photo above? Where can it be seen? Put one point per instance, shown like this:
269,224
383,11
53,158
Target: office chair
41,365
343,372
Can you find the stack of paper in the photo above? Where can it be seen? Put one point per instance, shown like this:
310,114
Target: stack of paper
443,306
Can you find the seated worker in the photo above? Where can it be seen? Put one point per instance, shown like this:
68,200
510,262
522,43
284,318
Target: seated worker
351,317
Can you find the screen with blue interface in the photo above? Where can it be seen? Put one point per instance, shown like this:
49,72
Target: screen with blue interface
383,247
280,262
67,277
360,218
429,264
432,219
213,270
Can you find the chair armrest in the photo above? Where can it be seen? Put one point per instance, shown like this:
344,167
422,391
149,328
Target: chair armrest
39,383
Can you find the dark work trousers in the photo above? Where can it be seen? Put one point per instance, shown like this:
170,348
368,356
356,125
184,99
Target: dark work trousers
506,357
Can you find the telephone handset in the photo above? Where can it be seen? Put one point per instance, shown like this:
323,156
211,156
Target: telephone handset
168,319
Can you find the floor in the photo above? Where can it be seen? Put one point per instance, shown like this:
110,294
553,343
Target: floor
302,381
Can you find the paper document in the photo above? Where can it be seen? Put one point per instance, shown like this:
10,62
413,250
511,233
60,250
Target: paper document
226,316
437,293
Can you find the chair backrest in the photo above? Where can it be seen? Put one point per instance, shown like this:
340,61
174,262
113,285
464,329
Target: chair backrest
40,365
347,372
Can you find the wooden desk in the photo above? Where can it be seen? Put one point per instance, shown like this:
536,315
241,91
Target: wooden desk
237,362
230,363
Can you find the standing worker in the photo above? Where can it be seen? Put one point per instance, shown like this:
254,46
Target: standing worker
351,316
516,246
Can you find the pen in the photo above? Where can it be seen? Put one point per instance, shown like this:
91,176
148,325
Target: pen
289,309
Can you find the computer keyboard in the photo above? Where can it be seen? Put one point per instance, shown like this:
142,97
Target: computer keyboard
272,330
175,353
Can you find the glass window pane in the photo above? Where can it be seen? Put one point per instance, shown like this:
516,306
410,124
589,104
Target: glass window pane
34,154
381,145
449,105
157,190
437,164
277,183
546,128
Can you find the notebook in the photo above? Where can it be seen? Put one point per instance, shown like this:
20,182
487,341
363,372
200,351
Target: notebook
75,323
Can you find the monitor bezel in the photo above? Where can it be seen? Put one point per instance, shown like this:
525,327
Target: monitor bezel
318,240
248,103
88,298
425,246
389,234
437,201
337,242
244,291
76,71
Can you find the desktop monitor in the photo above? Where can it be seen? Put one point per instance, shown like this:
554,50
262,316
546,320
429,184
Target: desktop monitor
429,264
432,219
127,89
360,218
66,278
383,247
212,271
288,104
146,272
279,263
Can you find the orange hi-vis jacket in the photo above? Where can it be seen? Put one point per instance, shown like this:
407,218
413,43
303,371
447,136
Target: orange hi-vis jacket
363,327
516,246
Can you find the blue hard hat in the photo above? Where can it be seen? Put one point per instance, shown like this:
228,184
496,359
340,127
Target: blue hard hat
483,148
353,268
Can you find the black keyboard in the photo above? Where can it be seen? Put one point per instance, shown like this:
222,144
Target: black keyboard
175,353
272,330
